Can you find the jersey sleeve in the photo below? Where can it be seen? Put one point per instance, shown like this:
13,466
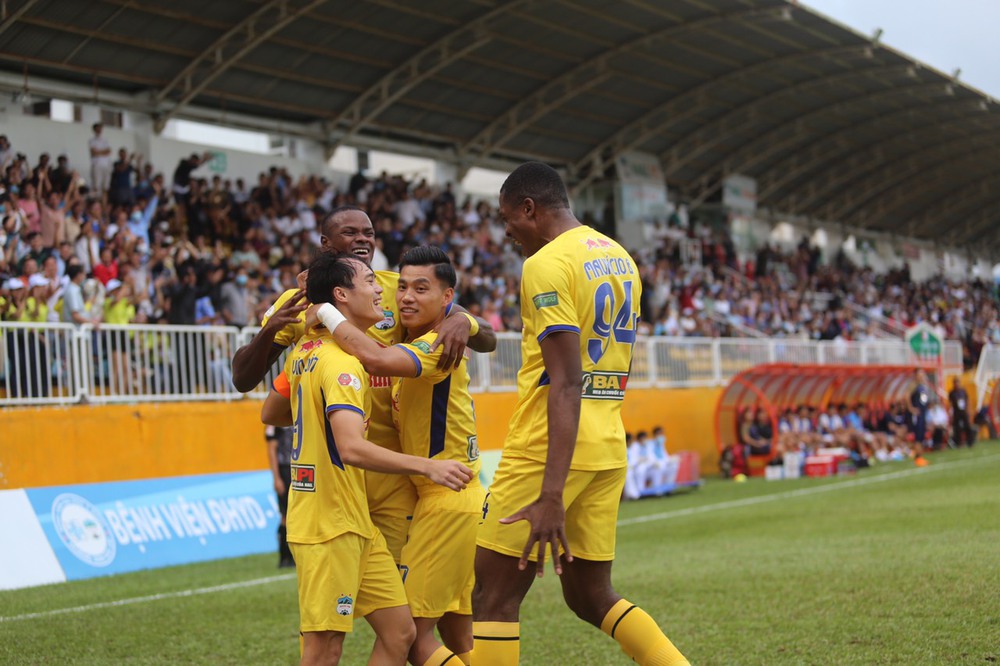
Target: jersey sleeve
291,333
548,293
281,385
426,360
343,386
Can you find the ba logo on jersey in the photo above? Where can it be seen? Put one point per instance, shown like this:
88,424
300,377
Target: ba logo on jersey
388,322
345,605
304,478
604,385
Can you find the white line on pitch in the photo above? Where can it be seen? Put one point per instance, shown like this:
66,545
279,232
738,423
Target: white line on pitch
152,597
801,491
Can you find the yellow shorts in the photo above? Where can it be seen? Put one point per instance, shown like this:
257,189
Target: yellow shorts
438,558
391,498
344,577
591,500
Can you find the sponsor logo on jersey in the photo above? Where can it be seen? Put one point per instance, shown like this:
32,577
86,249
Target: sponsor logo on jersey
595,243
345,605
347,379
604,385
473,450
310,345
422,346
304,478
388,322
546,300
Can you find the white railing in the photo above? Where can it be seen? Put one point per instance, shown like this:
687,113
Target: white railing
64,364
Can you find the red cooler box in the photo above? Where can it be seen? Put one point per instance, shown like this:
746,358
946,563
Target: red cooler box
821,465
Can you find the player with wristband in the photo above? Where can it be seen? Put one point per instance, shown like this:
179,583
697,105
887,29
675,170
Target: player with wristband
436,419
344,566
349,230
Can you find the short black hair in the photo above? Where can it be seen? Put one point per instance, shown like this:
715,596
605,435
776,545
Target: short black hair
428,255
73,270
328,220
328,271
538,182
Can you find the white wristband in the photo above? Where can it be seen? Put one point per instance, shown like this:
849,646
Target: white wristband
330,316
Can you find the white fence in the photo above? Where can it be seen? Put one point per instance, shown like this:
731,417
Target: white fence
987,372
64,364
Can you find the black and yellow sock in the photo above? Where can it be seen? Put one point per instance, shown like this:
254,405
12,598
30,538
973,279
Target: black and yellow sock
443,657
640,637
466,658
496,643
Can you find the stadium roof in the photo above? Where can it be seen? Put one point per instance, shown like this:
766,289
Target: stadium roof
833,125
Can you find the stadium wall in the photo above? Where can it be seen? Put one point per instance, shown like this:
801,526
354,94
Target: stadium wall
93,444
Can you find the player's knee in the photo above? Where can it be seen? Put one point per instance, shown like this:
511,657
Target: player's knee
489,604
403,635
590,605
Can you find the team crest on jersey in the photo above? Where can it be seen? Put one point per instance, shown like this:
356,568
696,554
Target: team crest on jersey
604,385
473,450
546,300
346,379
388,321
304,478
345,605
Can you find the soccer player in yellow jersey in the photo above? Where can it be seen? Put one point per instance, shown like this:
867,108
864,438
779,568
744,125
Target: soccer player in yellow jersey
348,230
344,566
560,479
436,420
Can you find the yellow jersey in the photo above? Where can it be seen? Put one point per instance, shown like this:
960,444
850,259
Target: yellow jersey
387,332
434,410
583,282
326,497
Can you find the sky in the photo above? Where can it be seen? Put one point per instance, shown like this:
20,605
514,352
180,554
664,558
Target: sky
946,34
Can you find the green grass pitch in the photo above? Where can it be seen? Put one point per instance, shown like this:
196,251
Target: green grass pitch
895,565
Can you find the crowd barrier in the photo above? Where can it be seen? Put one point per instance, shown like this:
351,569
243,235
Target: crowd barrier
63,364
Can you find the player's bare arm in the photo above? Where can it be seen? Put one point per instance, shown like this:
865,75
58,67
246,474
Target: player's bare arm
276,410
378,360
453,337
252,360
547,514
348,431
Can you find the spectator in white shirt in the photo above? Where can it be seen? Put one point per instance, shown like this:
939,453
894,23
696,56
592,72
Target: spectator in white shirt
100,161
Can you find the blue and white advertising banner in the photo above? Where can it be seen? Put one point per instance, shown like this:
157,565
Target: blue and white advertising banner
109,528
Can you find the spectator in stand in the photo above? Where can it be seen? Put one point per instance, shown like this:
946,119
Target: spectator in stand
74,309
182,174
958,398
234,297
107,269
100,162
122,173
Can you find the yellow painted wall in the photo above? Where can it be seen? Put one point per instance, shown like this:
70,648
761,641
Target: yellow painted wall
51,446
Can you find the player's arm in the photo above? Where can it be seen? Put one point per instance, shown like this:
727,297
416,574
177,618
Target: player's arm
547,514
378,360
457,331
277,407
252,360
347,426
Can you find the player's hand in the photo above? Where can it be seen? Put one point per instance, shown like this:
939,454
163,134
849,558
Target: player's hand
300,279
312,318
547,517
449,473
453,336
288,313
